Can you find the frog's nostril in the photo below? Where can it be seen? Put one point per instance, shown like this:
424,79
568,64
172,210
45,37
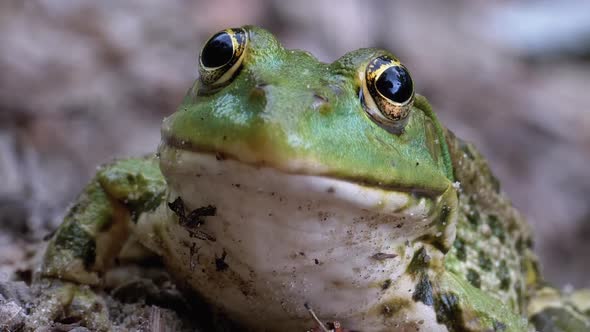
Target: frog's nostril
321,104
320,99
258,94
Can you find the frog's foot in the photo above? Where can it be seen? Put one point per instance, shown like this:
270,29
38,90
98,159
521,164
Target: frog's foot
549,310
62,301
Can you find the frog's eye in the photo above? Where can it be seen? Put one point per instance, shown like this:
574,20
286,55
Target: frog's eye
387,93
221,56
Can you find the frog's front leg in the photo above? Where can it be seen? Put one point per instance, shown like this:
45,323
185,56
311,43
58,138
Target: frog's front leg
90,238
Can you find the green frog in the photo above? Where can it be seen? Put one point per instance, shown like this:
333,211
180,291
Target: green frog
284,186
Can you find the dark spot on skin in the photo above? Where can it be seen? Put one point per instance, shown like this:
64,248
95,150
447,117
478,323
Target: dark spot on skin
199,234
495,182
386,284
220,264
499,326
194,219
473,215
448,312
503,275
512,225
71,236
519,295
177,206
460,249
442,221
301,253
49,235
436,241
533,265
529,242
496,227
466,149
473,278
331,190
484,261
519,245
74,210
423,291
386,310
316,261
419,262
444,214
148,202
383,256
523,266
394,306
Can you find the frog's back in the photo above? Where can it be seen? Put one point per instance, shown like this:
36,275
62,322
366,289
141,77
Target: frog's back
493,247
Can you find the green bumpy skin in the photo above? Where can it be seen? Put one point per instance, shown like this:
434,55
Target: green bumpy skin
90,238
116,196
470,268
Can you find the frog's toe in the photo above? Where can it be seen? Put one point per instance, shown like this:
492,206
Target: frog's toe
60,301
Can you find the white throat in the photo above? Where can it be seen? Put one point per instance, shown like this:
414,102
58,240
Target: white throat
282,240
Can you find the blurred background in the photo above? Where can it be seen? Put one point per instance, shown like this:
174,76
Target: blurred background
82,82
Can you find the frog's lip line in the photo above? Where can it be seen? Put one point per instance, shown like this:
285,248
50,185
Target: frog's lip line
171,142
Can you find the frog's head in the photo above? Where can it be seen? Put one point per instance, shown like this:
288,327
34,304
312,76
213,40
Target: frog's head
350,138
354,119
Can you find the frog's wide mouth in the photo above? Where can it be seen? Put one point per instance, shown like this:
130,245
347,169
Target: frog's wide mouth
189,172
183,163
294,167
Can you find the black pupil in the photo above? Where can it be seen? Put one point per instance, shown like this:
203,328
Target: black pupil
396,84
218,51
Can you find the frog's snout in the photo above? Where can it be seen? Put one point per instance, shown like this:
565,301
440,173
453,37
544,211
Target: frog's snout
271,98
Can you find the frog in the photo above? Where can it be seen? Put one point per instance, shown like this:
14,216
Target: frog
287,192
